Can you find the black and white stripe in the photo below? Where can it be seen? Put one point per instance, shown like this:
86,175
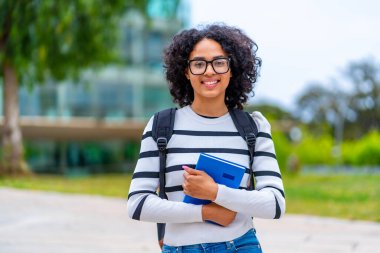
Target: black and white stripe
192,135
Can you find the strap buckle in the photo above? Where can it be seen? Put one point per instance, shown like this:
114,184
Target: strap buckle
251,139
162,142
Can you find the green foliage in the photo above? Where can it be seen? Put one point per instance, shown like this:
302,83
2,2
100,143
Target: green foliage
365,100
310,150
131,151
92,154
87,157
271,111
320,150
283,149
357,109
58,38
315,150
317,146
365,151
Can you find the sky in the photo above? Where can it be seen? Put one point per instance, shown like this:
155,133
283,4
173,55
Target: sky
300,41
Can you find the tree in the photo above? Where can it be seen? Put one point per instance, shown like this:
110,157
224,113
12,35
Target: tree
319,105
356,110
365,78
271,111
42,40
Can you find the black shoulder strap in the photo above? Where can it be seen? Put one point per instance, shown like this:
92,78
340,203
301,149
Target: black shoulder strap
162,131
163,124
247,129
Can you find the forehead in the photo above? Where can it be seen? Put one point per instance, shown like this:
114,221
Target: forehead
208,49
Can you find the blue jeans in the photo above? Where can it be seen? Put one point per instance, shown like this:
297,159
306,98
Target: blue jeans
246,243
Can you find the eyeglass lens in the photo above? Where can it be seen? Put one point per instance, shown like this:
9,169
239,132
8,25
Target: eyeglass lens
198,67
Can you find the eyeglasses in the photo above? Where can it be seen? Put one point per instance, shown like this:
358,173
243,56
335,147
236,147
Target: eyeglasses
219,65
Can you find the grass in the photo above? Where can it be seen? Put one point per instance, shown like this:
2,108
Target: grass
105,185
353,197
342,196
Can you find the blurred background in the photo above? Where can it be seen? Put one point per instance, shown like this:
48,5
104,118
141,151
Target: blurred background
80,79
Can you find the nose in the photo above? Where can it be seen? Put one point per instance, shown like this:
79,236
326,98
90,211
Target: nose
209,69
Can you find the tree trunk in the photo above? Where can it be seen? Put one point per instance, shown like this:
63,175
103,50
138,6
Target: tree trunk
13,157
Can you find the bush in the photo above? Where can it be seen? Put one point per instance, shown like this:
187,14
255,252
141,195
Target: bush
283,149
313,150
88,157
310,150
365,151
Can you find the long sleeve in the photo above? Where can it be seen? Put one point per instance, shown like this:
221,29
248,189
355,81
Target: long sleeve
143,202
194,134
268,199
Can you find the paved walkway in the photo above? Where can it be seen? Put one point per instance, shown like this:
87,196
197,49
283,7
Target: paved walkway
33,221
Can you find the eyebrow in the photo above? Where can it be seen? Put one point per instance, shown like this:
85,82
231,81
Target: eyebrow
203,58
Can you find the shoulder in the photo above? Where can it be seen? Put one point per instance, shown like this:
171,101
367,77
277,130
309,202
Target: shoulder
262,123
149,125
161,116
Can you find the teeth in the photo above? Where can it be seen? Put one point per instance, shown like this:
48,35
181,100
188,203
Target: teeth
210,83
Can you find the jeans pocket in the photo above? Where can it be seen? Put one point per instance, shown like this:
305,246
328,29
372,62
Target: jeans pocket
248,243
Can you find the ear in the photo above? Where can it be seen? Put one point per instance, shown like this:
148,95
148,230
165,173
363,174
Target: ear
187,74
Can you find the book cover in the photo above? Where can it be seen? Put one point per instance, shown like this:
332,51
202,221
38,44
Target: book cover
222,171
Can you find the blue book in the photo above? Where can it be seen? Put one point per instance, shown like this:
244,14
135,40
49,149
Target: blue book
222,171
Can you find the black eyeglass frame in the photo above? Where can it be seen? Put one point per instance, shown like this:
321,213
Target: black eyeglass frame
210,62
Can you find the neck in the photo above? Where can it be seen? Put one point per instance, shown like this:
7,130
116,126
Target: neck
209,108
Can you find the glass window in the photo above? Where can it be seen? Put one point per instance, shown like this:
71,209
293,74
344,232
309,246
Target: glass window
80,102
156,98
153,50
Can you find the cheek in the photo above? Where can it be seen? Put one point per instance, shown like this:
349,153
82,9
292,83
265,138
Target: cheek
194,80
226,80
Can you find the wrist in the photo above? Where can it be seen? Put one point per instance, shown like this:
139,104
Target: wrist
205,213
214,192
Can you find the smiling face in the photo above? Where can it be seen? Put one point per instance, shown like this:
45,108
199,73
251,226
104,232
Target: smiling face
209,86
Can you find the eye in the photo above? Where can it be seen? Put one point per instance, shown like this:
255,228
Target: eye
220,62
198,64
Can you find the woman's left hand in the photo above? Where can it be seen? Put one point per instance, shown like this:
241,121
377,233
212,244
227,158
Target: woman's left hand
198,184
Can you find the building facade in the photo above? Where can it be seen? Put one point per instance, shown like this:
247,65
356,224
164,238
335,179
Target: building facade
134,90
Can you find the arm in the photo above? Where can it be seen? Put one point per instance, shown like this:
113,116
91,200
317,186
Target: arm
268,200
200,185
143,203
218,214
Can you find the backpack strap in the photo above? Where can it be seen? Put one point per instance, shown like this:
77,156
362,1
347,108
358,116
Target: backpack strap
247,129
162,131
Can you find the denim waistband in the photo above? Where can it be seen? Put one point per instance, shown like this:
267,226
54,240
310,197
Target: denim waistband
249,239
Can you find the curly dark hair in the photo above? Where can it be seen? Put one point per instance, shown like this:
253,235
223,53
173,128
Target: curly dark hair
244,64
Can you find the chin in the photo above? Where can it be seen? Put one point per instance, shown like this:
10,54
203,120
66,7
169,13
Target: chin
212,94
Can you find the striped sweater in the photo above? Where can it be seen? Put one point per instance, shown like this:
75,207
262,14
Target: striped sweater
218,136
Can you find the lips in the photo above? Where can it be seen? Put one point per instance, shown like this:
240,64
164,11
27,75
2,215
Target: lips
210,84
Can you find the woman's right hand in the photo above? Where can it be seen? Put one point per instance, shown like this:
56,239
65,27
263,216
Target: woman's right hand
218,214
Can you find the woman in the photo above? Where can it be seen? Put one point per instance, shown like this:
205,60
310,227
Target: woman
209,71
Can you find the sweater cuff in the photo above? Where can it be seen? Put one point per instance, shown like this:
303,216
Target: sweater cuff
221,195
198,213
